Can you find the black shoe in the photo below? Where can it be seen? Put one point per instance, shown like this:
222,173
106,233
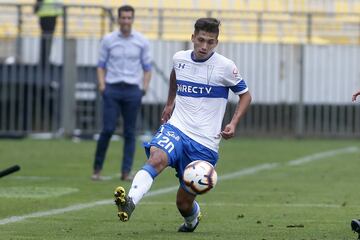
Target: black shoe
186,228
355,226
124,203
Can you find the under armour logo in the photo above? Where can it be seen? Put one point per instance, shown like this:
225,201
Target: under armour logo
181,65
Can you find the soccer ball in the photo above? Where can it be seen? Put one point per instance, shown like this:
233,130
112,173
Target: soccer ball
199,177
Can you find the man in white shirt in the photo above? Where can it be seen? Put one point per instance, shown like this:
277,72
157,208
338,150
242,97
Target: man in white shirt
198,91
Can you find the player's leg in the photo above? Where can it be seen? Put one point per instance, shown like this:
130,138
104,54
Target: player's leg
163,150
189,209
185,201
110,116
143,179
141,184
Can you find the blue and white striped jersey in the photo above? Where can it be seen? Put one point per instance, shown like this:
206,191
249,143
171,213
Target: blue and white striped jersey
202,93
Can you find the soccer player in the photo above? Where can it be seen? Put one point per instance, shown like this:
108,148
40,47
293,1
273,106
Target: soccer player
198,91
355,223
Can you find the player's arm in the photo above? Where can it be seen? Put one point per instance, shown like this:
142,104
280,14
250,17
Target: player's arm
146,65
170,103
146,82
241,108
354,96
101,66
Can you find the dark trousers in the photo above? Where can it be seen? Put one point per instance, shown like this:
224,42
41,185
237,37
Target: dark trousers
119,99
47,25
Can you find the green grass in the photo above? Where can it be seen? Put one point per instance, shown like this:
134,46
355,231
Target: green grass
312,201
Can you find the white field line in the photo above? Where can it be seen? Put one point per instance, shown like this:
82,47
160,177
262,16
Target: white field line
249,171
321,155
53,212
243,172
31,178
161,191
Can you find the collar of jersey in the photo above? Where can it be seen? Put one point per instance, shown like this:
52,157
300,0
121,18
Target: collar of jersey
120,34
200,60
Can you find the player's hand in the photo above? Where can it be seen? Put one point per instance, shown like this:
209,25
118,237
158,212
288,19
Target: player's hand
166,114
101,88
228,132
144,90
355,96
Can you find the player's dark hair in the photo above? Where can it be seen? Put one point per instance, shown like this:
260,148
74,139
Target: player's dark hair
207,24
126,8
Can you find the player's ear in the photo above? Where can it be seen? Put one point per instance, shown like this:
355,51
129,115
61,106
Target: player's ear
192,37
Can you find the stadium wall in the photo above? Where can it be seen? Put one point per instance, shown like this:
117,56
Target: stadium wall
330,72
298,90
301,67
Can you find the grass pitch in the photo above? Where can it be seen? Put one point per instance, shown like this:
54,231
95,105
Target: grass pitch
268,189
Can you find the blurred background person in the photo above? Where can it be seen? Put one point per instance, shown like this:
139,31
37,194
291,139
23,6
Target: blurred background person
47,11
124,66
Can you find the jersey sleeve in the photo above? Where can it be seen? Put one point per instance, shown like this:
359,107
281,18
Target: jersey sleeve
103,52
234,80
176,58
145,56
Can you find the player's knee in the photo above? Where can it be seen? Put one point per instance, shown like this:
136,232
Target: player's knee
158,159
